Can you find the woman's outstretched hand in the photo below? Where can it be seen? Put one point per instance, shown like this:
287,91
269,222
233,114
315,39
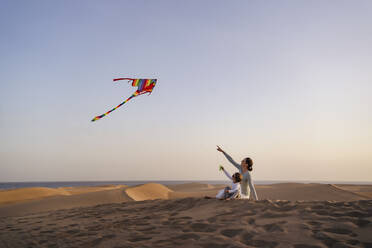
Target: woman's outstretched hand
219,149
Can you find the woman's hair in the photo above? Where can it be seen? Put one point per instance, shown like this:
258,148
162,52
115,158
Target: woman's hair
238,177
249,163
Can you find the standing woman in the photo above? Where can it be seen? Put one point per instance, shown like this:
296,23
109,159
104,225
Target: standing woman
245,167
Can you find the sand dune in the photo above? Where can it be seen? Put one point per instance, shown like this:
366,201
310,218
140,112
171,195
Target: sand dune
64,202
193,190
191,187
88,189
18,195
281,191
150,191
306,192
35,193
363,190
34,200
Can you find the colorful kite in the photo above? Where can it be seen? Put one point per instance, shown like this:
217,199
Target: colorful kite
144,86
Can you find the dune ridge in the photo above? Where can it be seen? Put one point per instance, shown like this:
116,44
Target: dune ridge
36,193
24,194
307,192
149,191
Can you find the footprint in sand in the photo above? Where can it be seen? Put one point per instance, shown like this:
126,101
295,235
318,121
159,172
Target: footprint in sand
22,221
96,241
322,212
52,245
185,218
109,236
273,227
146,229
37,228
73,231
352,242
315,207
339,230
188,236
327,240
94,228
212,219
261,243
246,237
286,208
15,229
367,245
139,238
214,245
358,214
202,227
270,214
231,232
361,222
43,241
82,234
305,246
314,223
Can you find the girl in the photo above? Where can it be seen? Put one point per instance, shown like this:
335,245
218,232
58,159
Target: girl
234,190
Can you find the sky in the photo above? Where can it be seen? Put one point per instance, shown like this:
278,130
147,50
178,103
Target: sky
287,83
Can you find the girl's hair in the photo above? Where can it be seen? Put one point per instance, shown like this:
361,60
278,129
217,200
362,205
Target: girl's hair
249,163
238,177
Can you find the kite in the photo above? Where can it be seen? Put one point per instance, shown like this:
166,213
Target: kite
144,86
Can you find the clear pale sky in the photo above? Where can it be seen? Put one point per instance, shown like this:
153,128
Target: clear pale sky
287,83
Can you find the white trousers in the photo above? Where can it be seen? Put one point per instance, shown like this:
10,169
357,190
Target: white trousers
220,194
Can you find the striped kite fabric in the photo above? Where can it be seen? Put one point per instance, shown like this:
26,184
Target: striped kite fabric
144,86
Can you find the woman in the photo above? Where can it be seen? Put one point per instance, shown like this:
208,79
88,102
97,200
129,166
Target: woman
245,167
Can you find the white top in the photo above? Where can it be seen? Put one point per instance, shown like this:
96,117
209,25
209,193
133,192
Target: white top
234,186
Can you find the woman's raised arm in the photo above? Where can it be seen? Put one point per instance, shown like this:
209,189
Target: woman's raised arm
231,160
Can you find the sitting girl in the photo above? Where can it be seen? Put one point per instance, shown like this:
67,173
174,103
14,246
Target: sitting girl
234,190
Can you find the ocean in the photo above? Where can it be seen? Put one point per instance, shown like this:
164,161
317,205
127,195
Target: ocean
15,185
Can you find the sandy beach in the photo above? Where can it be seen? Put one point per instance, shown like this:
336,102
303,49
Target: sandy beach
155,215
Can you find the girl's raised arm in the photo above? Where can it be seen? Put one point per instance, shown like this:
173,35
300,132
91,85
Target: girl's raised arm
227,174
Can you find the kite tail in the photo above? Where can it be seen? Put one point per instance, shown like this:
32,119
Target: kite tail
117,79
108,112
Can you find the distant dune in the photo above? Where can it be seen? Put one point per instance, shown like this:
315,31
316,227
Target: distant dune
150,191
307,192
35,193
54,202
24,194
189,187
